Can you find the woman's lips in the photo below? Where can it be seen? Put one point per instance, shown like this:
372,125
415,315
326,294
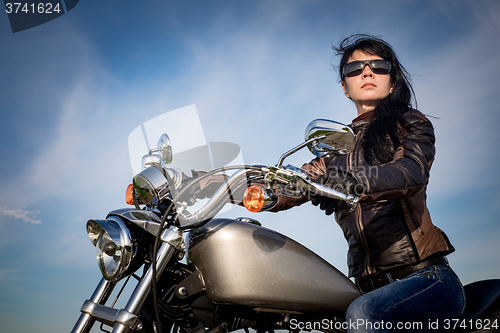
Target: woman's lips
368,85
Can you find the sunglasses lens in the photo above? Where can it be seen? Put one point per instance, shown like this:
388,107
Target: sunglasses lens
356,67
353,68
380,67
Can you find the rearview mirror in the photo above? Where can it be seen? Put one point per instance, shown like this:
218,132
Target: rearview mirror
166,148
339,138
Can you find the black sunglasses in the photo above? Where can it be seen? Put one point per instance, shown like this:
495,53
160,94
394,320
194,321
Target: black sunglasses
356,67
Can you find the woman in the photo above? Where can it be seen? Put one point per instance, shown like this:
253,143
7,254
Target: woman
396,254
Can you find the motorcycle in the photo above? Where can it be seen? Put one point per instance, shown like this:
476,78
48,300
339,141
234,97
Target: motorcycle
207,274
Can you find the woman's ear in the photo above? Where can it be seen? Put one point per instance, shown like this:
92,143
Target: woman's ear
344,87
391,89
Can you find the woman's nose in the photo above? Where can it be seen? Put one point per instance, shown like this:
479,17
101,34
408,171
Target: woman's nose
367,71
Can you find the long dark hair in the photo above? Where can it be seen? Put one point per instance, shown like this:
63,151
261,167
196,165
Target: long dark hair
381,137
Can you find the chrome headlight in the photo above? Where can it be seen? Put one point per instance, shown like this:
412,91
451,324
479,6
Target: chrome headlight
151,184
148,185
113,244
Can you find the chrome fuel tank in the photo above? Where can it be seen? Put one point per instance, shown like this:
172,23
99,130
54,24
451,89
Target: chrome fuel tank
246,264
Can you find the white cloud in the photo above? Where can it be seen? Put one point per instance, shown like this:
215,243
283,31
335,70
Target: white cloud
83,149
20,214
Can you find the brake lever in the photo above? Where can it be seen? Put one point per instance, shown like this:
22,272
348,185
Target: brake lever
286,179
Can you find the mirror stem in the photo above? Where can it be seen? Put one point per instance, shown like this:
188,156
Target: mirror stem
299,147
154,150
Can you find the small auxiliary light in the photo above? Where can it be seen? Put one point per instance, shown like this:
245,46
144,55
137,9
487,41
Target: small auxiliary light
253,199
129,195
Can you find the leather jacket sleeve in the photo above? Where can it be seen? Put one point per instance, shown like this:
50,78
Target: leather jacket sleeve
408,173
405,176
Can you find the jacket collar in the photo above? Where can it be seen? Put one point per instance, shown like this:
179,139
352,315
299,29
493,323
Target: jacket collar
360,121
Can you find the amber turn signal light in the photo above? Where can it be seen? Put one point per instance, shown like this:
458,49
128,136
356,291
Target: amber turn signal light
129,196
253,199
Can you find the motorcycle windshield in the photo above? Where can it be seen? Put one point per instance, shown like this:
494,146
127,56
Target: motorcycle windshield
191,150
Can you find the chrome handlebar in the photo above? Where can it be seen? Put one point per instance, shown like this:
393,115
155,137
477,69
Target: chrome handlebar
290,181
218,199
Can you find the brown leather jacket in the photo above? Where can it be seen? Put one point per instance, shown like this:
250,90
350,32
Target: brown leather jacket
391,225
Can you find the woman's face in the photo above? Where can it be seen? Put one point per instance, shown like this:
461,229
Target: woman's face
367,89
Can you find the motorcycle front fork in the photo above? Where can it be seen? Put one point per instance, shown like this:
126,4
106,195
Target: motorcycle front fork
100,296
124,320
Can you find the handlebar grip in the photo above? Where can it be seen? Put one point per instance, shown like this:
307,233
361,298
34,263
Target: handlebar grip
329,192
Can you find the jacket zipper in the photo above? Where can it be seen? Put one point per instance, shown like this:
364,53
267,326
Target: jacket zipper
409,214
364,241
358,216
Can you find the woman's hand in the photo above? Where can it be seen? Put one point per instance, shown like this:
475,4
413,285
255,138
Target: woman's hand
339,180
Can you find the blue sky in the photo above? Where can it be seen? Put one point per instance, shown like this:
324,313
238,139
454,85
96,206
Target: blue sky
73,89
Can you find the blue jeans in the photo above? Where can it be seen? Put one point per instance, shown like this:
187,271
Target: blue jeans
424,301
